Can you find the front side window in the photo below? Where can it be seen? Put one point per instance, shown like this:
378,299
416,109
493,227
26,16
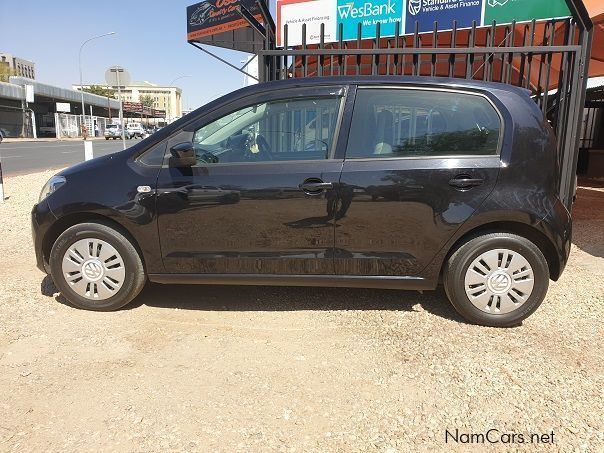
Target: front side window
422,123
283,130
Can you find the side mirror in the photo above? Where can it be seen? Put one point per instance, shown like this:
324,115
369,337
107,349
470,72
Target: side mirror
182,155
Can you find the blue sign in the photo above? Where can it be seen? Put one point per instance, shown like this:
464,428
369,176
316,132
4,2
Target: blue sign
426,12
369,13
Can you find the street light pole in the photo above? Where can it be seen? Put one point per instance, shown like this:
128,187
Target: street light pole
80,66
170,85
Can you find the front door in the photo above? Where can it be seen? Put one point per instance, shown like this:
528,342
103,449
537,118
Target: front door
418,163
258,199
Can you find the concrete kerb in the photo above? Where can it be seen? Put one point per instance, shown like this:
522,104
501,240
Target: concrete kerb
47,139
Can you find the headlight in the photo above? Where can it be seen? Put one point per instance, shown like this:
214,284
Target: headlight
53,184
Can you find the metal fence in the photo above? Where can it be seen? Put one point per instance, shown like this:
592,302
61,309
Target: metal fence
70,126
15,122
547,57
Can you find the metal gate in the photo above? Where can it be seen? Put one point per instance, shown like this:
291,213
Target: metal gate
537,55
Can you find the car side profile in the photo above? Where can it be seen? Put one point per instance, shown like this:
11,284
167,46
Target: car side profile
375,182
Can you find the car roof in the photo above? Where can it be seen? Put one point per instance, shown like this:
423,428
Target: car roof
388,80
379,80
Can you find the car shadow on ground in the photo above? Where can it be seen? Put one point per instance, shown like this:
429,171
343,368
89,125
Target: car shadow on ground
280,298
588,234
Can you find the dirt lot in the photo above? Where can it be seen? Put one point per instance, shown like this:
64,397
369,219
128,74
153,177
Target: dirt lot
294,369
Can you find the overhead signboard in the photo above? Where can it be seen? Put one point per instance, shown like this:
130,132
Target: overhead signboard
313,13
117,76
369,13
426,12
407,13
140,109
219,23
63,107
29,93
506,10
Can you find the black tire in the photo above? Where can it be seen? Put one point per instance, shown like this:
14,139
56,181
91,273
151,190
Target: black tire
134,277
106,138
457,265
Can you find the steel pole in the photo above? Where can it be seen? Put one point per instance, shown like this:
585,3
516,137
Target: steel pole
80,67
170,98
119,97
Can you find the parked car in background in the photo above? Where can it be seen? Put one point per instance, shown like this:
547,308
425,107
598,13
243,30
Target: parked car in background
136,130
47,131
114,131
3,133
375,182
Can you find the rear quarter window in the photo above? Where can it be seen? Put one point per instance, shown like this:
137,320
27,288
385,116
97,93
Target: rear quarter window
422,123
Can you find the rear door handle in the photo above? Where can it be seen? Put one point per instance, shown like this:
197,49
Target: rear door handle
465,183
315,186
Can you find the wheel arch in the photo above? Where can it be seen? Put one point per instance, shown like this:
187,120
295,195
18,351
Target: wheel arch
70,220
521,229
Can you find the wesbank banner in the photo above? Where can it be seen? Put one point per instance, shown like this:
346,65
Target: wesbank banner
407,13
369,13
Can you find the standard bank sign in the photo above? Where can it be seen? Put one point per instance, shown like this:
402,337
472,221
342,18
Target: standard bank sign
426,12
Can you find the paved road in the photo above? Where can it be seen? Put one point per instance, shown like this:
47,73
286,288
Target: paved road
28,157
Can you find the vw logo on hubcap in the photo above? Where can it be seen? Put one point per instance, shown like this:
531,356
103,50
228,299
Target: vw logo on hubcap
499,282
92,270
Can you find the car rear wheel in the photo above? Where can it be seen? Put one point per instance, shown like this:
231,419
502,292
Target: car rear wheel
497,279
96,267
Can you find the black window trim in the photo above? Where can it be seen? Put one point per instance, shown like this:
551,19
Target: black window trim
441,89
342,91
330,157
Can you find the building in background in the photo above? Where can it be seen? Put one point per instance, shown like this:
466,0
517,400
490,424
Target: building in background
21,67
164,97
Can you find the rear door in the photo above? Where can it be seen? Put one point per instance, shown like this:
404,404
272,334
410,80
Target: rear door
418,164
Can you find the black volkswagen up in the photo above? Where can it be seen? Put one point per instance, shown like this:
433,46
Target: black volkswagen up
374,182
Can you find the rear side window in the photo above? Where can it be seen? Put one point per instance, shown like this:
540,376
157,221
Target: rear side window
422,123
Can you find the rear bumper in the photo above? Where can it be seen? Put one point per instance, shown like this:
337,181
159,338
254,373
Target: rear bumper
558,226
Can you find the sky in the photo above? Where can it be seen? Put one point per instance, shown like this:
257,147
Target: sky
150,43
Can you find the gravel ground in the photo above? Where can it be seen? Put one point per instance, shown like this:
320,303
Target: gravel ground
294,369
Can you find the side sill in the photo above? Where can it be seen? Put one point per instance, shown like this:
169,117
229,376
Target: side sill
339,281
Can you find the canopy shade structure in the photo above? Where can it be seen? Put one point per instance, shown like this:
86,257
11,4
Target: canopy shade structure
596,13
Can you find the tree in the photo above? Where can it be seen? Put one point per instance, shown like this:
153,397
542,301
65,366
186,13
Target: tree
5,72
146,100
101,91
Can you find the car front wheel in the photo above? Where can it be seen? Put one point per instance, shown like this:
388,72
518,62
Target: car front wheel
96,267
497,280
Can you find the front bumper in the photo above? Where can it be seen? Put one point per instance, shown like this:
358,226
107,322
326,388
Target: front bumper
41,221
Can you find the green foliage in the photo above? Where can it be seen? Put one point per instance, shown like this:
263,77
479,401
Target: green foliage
146,100
6,72
101,91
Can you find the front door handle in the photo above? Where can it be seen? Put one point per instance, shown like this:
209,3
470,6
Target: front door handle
315,187
465,183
